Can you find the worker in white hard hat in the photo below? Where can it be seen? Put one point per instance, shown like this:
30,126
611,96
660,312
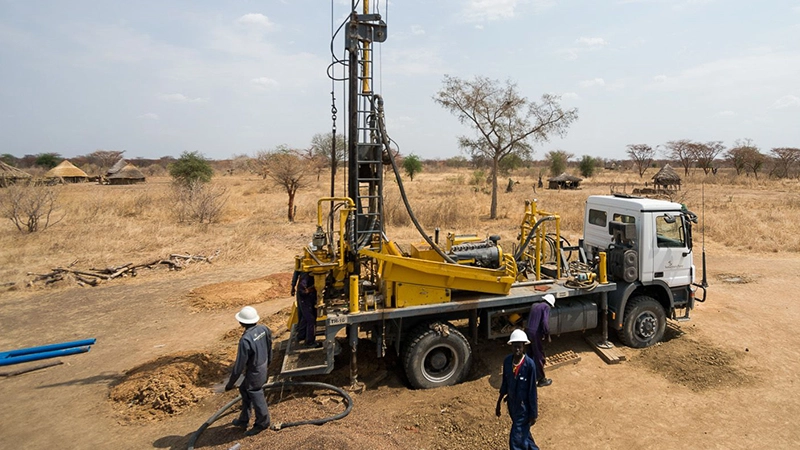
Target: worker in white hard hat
538,329
252,359
519,391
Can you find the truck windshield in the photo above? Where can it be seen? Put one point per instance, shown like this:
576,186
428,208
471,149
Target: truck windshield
669,231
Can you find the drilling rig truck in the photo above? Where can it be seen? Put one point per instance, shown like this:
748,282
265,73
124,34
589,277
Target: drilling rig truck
632,270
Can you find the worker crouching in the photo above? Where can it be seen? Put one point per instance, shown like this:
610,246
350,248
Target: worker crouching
252,359
519,386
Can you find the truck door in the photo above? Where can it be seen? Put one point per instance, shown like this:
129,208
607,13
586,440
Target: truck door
672,260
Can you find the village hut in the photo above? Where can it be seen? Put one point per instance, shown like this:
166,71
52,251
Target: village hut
116,167
564,181
11,175
68,172
667,179
129,174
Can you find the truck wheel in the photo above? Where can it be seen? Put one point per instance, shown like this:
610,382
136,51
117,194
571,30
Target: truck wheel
437,355
644,322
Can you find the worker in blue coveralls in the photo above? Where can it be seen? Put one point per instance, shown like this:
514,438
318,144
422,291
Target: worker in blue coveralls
538,329
252,358
306,301
519,385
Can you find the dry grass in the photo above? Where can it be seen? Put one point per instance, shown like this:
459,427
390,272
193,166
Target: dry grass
111,225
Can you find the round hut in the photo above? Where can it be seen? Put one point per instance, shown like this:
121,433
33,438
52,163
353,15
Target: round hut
68,172
11,175
129,174
667,179
564,181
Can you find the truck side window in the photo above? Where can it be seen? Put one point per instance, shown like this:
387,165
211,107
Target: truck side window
623,218
669,234
597,217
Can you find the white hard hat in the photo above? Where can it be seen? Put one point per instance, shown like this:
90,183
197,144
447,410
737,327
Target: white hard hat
518,336
550,299
248,315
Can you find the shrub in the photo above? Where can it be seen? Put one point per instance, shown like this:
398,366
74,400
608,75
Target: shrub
191,167
30,208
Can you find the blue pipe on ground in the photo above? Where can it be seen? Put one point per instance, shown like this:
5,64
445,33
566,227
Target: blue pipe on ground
46,348
42,355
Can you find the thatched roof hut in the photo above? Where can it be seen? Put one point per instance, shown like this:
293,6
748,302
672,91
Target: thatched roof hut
564,181
67,172
12,175
129,174
667,178
116,167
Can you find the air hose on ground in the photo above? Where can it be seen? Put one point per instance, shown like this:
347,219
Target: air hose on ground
280,385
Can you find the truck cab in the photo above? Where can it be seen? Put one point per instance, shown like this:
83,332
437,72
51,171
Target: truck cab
648,243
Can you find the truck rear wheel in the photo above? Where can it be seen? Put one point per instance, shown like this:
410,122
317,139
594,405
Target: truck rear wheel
437,355
644,323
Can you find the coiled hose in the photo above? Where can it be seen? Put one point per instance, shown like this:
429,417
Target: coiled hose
279,385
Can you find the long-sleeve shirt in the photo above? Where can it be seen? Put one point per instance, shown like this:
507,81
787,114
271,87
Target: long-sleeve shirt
539,320
520,388
253,357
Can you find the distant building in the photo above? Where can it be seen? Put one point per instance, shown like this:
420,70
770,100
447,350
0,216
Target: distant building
67,172
129,174
564,181
667,179
11,175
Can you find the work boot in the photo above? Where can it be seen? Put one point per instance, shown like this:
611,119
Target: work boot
239,424
255,430
544,382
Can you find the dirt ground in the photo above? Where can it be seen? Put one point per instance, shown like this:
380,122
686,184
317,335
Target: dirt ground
727,379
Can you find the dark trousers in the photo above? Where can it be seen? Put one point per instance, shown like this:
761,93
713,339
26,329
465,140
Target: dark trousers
306,326
536,352
254,399
520,437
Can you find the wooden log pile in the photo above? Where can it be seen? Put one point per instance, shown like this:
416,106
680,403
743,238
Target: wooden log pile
95,276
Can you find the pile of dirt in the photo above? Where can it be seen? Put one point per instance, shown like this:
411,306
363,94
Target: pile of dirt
696,365
168,385
240,293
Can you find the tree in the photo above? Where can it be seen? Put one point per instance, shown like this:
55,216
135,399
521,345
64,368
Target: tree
785,160
286,169
504,121
104,159
587,166
737,155
557,161
190,167
48,160
641,156
753,160
510,163
412,165
29,207
681,151
9,159
705,154
321,146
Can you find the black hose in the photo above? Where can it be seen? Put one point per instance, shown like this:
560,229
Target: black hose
385,141
524,245
280,385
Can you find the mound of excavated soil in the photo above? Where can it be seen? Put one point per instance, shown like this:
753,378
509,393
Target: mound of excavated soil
696,365
168,385
240,293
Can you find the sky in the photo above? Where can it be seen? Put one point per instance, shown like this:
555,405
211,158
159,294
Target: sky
157,78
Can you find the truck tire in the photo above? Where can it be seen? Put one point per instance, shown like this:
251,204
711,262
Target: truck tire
644,322
437,355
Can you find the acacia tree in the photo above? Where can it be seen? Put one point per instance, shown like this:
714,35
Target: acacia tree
557,161
642,156
785,160
737,154
504,121
104,159
705,154
322,145
753,160
412,165
681,151
190,167
587,166
286,169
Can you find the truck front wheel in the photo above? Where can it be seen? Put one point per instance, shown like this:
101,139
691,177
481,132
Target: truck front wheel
437,355
644,323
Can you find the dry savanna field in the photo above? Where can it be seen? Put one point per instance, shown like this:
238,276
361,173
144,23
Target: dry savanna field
726,379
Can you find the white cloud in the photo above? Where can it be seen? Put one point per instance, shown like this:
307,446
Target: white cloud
264,83
725,113
660,78
180,98
417,30
591,41
592,82
570,96
149,116
489,10
256,19
787,101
